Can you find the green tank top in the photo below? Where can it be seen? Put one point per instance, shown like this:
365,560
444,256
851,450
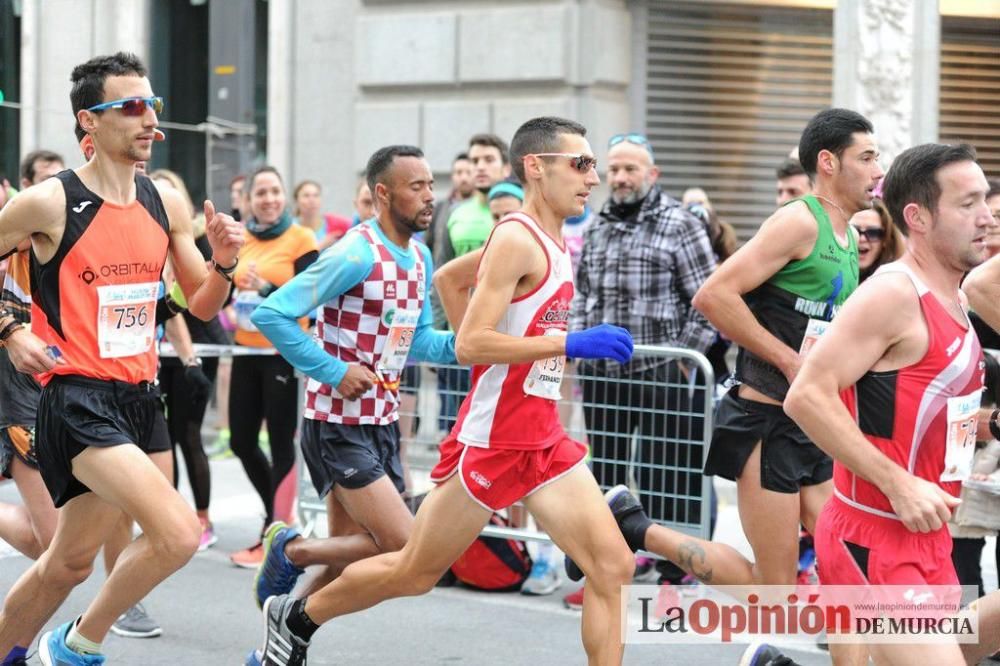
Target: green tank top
798,298
829,274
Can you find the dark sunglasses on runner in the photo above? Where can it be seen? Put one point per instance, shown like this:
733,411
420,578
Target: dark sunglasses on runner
580,162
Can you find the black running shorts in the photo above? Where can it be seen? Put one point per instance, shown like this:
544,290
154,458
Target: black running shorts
350,456
17,441
788,459
77,412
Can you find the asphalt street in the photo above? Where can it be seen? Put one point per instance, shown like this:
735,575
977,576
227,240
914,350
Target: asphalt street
209,616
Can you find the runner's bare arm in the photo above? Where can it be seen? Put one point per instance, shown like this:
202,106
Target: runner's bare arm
205,290
982,286
510,255
37,210
786,236
454,282
865,332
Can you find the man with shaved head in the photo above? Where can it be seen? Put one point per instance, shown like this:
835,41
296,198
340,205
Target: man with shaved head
643,259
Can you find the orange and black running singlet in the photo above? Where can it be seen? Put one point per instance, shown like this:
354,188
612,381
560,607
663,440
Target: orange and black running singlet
96,298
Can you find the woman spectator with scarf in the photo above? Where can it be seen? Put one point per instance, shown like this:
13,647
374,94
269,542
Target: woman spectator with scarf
264,387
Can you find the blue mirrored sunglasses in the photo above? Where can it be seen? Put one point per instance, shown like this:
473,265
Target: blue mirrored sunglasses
632,137
132,106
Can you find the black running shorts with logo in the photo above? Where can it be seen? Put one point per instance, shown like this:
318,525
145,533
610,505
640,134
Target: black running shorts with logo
77,412
19,395
17,441
350,456
788,459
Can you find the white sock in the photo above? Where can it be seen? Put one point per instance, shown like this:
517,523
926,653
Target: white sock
79,644
545,549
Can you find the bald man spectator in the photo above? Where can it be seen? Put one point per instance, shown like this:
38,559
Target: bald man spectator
643,259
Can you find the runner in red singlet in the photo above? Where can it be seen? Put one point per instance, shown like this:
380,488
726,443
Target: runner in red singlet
891,392
508,443
100,236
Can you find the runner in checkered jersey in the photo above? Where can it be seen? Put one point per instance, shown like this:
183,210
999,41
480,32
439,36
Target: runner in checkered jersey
371,288
514,334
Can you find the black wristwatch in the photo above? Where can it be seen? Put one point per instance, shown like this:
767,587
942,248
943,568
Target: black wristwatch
994,428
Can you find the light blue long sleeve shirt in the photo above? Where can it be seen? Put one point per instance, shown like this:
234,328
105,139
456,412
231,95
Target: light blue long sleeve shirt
339,268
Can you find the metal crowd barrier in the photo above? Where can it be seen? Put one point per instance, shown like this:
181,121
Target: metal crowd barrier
651,433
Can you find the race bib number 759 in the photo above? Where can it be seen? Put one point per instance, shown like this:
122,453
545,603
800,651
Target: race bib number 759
963,413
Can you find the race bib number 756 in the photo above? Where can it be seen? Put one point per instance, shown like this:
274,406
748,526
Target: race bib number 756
126,318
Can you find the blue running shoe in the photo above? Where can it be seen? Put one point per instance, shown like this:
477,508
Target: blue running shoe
254,658
276,575
52,650
18,656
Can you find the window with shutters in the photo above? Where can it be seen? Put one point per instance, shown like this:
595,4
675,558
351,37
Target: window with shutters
970,87
729,89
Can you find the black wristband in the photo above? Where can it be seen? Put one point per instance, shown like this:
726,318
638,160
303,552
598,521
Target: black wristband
9,329
994,428
224,271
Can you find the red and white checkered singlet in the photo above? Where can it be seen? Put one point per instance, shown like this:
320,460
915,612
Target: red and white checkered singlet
354,328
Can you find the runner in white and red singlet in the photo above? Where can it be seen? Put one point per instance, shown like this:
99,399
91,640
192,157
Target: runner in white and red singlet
508,443
892,394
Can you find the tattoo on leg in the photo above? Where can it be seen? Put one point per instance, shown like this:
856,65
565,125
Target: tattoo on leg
691,557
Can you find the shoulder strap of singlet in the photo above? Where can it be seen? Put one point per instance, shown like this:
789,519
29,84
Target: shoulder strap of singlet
899,267
532,227
814,206
149,197
823,222
918,284
81,208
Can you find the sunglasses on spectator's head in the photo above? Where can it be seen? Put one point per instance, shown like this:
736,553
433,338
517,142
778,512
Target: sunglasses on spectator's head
634,138
870,235
580,162
132,106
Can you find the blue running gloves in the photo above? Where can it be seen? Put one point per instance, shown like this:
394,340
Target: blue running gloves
602,341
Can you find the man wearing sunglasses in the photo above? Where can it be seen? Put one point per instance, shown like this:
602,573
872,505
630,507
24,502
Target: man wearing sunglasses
508,444
100,237
643,259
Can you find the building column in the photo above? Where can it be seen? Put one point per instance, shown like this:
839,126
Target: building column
886,67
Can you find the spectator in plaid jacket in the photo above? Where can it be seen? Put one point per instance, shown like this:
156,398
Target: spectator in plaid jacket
643,260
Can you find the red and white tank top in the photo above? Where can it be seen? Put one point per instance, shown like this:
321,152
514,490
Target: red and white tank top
96,298
923,416
515,406
371,324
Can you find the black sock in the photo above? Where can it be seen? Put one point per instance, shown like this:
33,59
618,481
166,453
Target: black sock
633,527
299,623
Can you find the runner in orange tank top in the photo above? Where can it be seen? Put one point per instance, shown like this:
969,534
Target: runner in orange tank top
100,236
